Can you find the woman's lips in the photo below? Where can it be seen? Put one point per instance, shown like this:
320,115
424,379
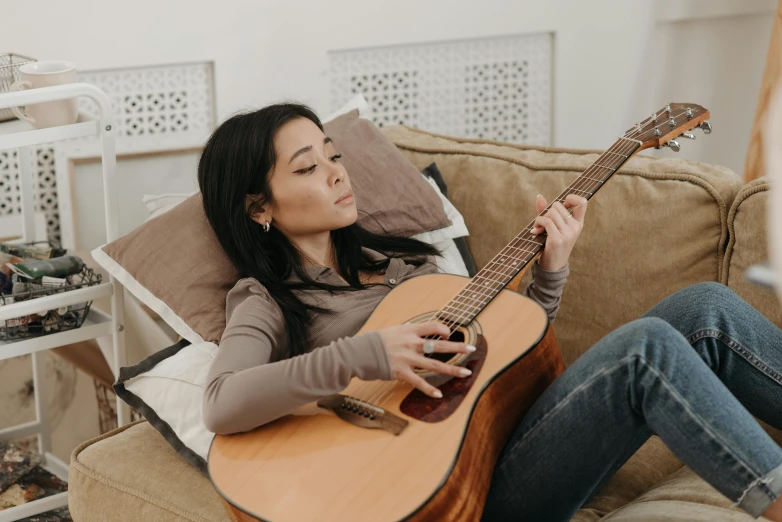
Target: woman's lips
346,199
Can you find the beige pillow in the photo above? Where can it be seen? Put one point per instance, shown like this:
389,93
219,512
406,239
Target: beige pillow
175,265
386,184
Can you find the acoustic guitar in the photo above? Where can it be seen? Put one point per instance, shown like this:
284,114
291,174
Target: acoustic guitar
382,450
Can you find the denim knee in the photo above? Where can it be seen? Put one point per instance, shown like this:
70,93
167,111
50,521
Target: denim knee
657,333
653,327
698,305
710,291
650,326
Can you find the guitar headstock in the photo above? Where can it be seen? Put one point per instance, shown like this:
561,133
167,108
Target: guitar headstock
672,121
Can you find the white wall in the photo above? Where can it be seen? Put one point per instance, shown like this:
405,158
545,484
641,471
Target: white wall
717,63
608,53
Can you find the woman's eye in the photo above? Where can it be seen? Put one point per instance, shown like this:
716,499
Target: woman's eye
310,169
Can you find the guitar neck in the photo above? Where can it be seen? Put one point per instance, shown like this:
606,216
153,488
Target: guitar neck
492,278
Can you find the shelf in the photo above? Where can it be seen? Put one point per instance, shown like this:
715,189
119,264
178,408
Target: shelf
55,466
17,133
97,324
50,302
20,134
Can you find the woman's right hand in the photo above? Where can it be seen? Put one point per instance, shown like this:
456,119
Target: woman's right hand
405,348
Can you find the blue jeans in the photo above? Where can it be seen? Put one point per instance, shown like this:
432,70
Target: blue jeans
693,370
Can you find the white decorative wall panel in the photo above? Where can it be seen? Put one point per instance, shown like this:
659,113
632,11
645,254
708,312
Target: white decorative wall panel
170,100
157,100
495,88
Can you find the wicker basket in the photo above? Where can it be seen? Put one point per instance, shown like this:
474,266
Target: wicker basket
9,73
53,321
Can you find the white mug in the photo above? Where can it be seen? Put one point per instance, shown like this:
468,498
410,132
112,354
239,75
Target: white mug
45,74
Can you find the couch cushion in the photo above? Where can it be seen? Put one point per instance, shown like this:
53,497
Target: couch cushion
648,466
132,474
682,497
747,225
657,226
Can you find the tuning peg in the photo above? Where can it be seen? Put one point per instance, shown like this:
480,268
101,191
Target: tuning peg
688,135
706,126
674,145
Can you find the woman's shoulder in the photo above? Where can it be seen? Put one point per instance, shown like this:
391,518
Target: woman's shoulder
248,284
248,291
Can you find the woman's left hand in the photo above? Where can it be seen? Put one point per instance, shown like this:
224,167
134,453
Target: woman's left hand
561,227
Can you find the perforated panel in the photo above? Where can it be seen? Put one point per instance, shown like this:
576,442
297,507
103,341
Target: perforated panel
496,88
165,100
157,100
44,187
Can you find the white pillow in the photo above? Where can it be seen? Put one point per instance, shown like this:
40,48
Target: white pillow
167,388
356,102
451,261
175,389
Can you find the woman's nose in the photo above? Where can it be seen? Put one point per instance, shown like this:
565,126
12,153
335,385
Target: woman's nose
337,174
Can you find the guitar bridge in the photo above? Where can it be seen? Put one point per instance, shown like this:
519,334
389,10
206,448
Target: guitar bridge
363,414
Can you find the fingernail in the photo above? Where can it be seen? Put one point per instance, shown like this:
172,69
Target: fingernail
532,230
465,372
470,348
540,195
438,394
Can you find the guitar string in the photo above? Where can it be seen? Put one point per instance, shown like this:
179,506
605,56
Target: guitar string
580,186
601,181
587,183
582,179
505,267
617,148
584,182
385,386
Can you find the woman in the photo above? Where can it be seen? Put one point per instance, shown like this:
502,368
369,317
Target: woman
691,370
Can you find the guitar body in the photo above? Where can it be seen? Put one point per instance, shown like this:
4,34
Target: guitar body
318,465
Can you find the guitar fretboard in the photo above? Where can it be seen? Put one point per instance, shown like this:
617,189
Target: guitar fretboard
492,278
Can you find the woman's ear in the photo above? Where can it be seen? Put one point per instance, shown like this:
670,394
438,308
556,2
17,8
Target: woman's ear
257,212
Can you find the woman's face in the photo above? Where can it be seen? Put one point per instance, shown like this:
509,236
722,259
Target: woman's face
306,183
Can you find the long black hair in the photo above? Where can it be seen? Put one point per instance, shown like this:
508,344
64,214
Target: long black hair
237,161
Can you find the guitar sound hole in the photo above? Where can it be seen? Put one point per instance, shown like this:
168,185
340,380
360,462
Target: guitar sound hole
457,337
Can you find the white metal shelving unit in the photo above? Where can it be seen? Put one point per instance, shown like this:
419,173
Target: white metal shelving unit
97,324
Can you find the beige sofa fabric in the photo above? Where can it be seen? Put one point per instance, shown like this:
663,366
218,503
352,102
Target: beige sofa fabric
132,474
650,464
747,223
657,226
681,497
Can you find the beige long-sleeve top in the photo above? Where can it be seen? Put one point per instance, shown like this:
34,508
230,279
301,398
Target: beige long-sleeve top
250,382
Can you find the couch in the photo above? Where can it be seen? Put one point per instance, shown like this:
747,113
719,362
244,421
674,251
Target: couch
657,226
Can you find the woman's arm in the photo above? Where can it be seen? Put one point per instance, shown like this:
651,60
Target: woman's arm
546,288
245,390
